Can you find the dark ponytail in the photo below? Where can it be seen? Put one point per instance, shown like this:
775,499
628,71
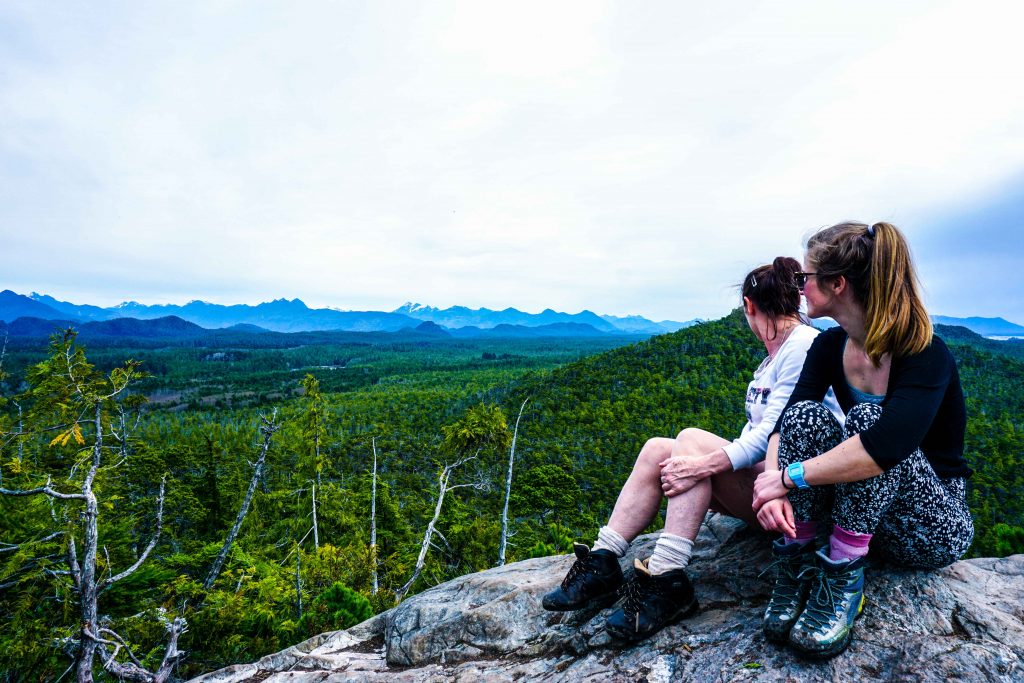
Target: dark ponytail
773,288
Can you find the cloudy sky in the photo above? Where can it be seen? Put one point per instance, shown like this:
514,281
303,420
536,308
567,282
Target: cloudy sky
627,158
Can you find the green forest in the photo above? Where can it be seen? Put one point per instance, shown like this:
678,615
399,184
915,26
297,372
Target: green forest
224,502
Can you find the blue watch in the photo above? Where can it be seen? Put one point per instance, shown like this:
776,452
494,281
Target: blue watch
796,475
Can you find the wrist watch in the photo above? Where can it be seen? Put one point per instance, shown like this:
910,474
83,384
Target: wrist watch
796,475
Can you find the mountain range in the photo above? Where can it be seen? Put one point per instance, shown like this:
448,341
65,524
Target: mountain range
283,315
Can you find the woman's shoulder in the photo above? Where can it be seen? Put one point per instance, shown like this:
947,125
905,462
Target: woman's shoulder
937,351
934,357
833,337
800,341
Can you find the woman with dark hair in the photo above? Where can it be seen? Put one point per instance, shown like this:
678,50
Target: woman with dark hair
696,470
893,478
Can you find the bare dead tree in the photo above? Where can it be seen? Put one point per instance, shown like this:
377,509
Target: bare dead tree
508,489
373,518
298,580
267,428
112,644
89,587
71,389
443,487
316,532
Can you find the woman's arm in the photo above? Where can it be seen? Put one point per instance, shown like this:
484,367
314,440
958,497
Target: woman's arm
849,461
815,375
751,446
916,393
917,388
776,514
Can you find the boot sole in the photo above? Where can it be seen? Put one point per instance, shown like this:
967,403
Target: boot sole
838,647
780,638
682,613
602,601
834,651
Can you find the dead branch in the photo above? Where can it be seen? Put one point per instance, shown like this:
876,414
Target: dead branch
135,671
442,489
267,428
508,489
76,571
9,547
373,519
149,548
46,489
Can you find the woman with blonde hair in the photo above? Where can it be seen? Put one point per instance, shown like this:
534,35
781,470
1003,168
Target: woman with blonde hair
893,478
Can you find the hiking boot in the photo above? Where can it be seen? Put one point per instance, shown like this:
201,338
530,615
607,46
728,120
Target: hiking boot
835,600
594,578
652,602
790,591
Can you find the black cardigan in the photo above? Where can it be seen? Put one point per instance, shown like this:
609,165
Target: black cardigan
923,406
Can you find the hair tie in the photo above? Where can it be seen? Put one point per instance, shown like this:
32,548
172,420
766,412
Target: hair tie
871,231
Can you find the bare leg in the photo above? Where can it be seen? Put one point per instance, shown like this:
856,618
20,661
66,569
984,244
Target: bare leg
733,492
730,492
641,495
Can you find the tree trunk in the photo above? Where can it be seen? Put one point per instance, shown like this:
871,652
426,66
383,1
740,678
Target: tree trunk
298,580
268,428
442,489
508,489
87,575
373,519
316,531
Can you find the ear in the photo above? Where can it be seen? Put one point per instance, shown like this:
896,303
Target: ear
748,306
839,284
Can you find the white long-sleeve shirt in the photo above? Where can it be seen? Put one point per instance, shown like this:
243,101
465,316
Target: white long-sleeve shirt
767,395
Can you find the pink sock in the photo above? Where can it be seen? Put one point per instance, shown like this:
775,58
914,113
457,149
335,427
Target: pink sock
847,545
805,533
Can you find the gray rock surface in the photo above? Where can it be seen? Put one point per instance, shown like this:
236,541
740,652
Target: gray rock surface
964,622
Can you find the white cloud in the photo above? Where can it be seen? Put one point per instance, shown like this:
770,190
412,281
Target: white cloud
618,157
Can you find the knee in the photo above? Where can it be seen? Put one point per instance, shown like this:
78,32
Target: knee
803,415
688,438
862,416
654,452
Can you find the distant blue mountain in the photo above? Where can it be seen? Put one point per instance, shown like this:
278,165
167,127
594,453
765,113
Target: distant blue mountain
506,331
457,317
283,315
72,311
280,315
14,306
987,327
460,316
170,327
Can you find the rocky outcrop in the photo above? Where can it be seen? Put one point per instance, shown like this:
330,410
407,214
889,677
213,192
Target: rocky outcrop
964,622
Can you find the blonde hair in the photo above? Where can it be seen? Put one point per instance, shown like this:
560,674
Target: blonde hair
876,262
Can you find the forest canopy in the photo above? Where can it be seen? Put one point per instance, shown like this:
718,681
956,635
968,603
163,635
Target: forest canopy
180,509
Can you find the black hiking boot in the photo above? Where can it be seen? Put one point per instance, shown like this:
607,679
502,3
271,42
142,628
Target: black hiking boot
652,602
594,578
790,591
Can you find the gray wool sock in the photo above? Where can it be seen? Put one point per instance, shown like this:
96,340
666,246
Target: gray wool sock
611,540
670,552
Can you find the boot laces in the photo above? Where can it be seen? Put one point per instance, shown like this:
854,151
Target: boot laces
578,570
786,578
821,608
636,594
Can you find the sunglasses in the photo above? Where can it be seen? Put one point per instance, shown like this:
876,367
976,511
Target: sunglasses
801,279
